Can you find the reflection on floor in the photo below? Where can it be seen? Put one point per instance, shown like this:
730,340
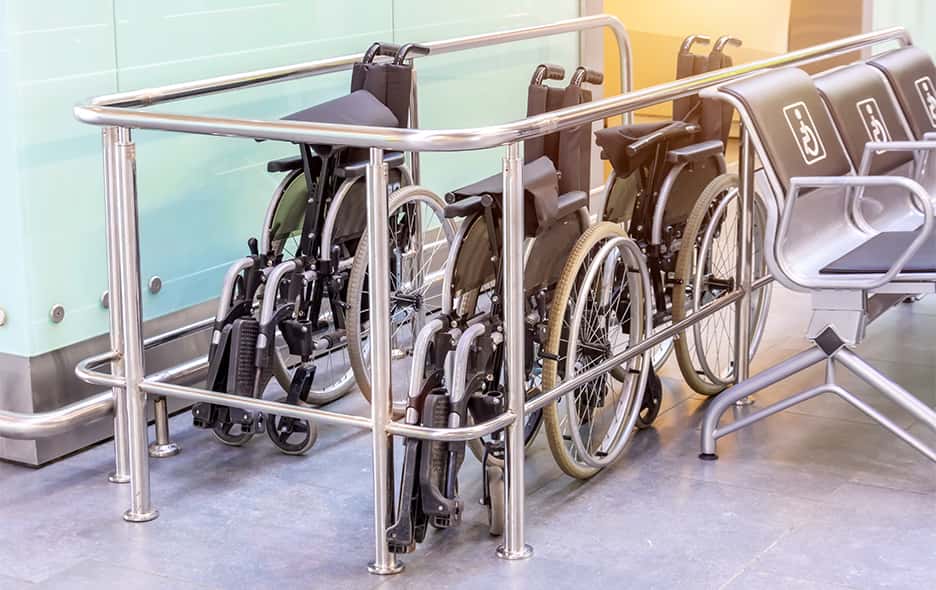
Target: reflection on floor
815,498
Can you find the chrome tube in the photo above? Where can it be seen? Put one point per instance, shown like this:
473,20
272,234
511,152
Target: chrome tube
452,434
743,277
512,230
384,563
163,446
473,138
141,510
121,473
249,403
21,426
152,96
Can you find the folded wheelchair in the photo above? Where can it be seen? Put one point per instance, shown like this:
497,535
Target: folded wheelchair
295,308
848,187
671,191
585,299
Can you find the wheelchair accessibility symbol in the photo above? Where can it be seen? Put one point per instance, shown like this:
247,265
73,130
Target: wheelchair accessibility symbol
927,94
874,125
804,131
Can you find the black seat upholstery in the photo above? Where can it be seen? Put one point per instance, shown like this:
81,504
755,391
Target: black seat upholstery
912,75
789,117
878,254
358,108
863,108
540,194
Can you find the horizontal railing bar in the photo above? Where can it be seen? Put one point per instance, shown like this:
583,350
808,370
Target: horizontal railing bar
452,434
708,309
248,403
419,140
163,94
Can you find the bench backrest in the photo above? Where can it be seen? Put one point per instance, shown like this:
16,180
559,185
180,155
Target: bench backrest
864,109
796,132
912,76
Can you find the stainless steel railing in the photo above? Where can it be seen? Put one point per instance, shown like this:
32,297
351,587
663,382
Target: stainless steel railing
120,113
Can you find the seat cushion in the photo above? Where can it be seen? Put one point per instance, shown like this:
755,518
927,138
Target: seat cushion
358,108
540,193
878,254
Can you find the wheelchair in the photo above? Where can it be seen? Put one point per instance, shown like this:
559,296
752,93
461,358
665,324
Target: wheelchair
578,312
283,310
671,190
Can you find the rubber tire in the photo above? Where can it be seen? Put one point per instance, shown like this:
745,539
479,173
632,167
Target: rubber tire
231,440
270,420
593,236
684,272
398,199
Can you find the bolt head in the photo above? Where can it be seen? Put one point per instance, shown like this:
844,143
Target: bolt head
3,317
57,313
155,285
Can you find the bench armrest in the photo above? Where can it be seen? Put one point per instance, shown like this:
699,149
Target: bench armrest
857,281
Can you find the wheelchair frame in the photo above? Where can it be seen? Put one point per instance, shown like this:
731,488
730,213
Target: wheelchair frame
119,113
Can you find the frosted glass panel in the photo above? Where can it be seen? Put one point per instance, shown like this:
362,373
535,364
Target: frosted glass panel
201,198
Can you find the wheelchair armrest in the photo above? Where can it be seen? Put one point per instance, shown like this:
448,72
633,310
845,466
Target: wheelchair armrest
846,281
466,206
695,152
285,164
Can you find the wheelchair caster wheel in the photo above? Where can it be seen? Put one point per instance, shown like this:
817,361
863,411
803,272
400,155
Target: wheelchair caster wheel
232,435
652,400
496,503
292,436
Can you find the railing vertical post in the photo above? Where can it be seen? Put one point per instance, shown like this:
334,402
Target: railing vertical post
163,446
514,546
743,277
121,473
385,562
130,304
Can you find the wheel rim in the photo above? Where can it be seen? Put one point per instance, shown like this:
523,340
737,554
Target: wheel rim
588,407
291,435
417,270
713,337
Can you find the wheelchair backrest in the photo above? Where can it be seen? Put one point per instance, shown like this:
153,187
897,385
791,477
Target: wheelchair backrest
389,82
912,76
864,109
714,116
569,149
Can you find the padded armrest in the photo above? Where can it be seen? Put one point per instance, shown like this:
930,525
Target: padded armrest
695,152
465,207
285,164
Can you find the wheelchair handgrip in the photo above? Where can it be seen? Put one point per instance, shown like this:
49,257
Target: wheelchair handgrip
583,74
724,41
414,48
381,49
674,129
547,72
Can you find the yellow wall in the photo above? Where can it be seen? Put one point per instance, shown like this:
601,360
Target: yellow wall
657,27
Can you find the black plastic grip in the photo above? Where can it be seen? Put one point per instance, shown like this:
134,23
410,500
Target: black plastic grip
410,48
674,129
382,49
547,72
586,75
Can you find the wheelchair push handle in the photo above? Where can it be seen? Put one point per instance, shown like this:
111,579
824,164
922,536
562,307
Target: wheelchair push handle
410,48
583,74
691,40
674,129
547,72
380,49
724,41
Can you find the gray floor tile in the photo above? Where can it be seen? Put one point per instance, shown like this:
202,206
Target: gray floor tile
92,575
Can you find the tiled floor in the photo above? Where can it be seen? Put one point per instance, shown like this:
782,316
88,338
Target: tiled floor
815,498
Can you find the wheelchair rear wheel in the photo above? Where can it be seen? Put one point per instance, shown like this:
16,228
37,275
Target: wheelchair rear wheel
706,271
600,308
420,237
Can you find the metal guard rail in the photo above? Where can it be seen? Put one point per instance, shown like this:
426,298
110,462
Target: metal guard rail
103,112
